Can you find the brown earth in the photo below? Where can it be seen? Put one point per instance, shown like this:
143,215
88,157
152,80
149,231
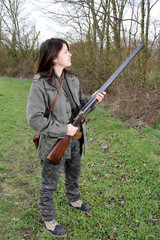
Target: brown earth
140,108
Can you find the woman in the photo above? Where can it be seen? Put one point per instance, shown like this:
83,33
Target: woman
53,59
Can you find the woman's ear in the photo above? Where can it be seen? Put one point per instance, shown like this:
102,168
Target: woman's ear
54,61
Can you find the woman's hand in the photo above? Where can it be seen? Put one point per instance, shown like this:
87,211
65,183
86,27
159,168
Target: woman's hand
71,130
99,96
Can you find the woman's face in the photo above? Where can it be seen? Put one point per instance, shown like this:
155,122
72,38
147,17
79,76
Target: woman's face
64,58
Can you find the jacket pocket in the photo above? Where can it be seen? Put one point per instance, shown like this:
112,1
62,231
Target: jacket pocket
46,145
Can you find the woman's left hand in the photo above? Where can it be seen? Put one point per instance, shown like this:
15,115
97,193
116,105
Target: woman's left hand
100,96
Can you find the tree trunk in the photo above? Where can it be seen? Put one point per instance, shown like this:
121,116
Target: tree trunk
143,52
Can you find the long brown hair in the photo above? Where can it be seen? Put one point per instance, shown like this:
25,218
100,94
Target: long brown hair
48,52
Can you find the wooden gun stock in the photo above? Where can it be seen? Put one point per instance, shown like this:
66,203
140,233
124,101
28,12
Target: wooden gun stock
58,151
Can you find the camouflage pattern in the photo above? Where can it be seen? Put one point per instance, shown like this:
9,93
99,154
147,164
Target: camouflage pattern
50,176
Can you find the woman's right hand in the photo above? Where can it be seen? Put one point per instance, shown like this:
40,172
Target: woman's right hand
71,130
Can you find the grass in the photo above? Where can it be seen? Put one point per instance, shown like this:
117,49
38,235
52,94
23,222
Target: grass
120,177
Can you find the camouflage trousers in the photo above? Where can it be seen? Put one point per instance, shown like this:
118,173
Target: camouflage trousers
50,177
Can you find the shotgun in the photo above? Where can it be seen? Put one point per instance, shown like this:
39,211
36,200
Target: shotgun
57,152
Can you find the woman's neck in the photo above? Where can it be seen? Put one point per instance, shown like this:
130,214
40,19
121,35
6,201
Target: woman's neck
58,71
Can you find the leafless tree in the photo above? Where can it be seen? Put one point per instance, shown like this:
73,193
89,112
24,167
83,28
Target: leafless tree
17,37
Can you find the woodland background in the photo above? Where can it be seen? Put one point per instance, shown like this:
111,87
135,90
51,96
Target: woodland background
101,34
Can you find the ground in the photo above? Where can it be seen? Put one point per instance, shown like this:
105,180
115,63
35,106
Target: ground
140,107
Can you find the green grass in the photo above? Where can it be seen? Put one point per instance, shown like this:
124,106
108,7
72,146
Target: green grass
120,177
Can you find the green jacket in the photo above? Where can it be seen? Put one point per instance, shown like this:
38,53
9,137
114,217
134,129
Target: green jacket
41,97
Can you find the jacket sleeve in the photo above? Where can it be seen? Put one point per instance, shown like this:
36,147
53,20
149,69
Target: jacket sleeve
36,109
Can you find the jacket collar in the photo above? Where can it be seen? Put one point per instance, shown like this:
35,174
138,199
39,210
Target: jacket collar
70,80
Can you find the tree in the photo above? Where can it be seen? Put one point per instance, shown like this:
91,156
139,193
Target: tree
145,25
19,41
